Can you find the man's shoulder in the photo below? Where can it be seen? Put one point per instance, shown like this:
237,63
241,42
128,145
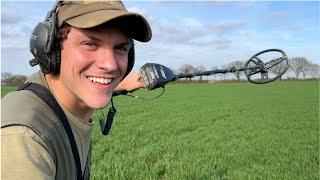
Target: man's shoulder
16,102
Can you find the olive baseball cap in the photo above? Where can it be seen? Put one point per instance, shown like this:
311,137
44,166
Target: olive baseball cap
90,13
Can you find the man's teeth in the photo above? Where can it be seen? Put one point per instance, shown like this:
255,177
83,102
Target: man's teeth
100,80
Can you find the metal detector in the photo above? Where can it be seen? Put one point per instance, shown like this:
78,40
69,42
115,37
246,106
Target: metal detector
257,70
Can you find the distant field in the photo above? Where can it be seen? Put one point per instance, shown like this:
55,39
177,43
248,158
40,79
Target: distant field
213,131
6,90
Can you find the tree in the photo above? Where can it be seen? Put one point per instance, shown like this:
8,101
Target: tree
187,68
299,65
4,77
237,65
214,75
277,69
15,80
173,70
201,68
224,75
305,69
314,70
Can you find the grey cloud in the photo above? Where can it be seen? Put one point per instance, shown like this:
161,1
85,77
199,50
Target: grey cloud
169,3
223,44
177,34
203,41
16,61
277,15
9,16
225,26
221,28
245,5
216,3
18,43
199,35
191,23
15,36
207,41
15,30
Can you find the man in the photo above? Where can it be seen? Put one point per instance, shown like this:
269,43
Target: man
91,54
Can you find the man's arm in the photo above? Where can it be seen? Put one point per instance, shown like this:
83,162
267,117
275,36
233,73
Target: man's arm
130,83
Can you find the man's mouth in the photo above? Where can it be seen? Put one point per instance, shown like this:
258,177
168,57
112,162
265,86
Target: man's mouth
100,80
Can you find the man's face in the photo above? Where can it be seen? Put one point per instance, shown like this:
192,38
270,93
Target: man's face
93,62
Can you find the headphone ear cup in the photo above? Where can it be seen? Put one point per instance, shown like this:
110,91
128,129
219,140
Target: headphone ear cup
42,42
131,58
38,45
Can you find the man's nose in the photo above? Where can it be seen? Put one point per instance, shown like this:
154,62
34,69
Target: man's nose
107,60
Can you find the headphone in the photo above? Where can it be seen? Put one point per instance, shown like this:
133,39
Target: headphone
45,47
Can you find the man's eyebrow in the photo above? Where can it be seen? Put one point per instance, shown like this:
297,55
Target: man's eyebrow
91,36
123,43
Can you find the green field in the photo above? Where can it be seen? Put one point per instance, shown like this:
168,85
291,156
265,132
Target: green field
213,131
6,90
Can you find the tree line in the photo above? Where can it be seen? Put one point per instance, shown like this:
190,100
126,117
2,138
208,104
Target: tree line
8,79
300,67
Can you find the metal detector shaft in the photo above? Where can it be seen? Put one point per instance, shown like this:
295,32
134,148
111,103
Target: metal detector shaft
216,71
253,69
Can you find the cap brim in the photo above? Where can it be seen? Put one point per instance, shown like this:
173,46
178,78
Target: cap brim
136,26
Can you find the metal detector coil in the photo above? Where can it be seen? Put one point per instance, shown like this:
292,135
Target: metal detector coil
256,66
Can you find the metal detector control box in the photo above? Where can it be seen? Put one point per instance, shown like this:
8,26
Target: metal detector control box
156,75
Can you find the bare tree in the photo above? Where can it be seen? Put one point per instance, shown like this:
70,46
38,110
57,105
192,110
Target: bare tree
173,70
4,77
314,70
237,65
187,68
277,69
214,75
224,75
15,80
299,65
305,69
201,68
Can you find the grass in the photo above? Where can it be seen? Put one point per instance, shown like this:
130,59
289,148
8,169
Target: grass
5,90
213,131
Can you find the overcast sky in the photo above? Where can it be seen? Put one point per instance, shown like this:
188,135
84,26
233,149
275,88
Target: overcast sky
193,32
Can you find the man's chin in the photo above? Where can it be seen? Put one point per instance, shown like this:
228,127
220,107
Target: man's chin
100,103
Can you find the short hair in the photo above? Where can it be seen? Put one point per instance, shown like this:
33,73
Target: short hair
62,34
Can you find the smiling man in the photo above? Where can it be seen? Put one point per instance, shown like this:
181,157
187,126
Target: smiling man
94,61
85,50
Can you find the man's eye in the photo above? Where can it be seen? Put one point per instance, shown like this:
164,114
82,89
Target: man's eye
122,49
90,45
